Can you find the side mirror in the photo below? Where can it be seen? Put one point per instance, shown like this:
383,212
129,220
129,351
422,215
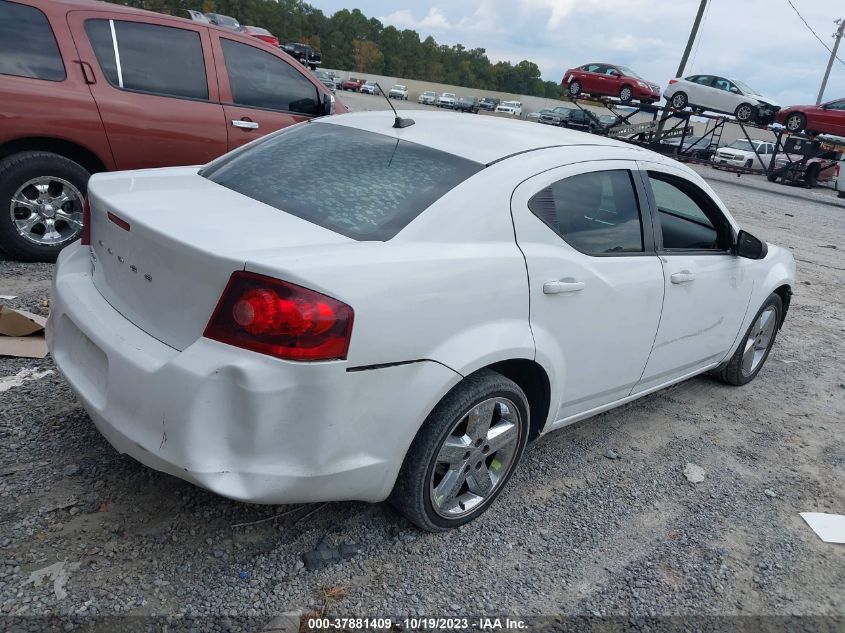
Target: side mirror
328,104
750,247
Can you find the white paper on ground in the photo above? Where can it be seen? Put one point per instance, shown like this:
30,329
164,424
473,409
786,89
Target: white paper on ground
8,297
828,527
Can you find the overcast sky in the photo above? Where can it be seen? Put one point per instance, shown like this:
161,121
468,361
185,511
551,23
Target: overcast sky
761,42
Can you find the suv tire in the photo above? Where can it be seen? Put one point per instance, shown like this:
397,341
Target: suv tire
17,170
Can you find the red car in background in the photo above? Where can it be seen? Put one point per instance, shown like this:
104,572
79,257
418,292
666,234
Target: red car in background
609,80
353,84
826,118
262,34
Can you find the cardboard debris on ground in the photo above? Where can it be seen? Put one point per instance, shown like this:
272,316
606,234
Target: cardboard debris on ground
22,333
828,527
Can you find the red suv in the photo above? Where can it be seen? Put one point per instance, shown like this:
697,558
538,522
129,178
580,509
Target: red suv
88,86
827,118
609,80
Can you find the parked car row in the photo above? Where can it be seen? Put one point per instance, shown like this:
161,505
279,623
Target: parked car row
705,92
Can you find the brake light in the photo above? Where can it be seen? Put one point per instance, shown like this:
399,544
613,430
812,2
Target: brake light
836,170
85,235
673,81
280,319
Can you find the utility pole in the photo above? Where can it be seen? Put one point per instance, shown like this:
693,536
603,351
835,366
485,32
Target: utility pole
838,36
691,39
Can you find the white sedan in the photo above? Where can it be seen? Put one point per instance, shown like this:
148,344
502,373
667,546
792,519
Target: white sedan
718,94
403,330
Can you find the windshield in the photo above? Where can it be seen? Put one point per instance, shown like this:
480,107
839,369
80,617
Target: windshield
449,95
225,20
743,145
360,184
398,87
745,87
511,104
627,71
428,93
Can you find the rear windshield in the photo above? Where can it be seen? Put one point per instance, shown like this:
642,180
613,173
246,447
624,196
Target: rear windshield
360,184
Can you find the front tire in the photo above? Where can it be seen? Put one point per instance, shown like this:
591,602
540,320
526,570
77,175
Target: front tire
744,112
41,198
795,122
464,453
755,346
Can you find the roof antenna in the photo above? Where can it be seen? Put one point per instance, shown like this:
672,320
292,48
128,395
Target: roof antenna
399,122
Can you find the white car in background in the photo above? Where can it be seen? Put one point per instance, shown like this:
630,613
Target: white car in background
446,100
427,98
352,348
742,153
398,92
513,108
717,94
370,88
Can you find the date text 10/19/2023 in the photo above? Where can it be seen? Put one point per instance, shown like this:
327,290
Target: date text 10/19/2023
416,623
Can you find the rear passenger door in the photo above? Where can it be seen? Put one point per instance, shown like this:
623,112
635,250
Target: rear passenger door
155,86
596,285
261,92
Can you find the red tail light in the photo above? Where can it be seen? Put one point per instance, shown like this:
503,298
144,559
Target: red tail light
673,81
280,319
85,236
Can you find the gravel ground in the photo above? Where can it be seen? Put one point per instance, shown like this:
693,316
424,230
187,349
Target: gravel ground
576,532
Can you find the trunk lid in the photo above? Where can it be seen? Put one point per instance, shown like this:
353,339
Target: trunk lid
186,235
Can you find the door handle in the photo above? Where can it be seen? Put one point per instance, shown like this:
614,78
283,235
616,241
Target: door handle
683,277
562,287
245,124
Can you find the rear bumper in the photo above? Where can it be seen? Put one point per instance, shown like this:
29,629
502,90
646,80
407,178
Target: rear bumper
241,424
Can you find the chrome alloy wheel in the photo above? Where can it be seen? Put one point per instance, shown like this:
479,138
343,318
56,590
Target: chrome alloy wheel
475,458
759,340
47,211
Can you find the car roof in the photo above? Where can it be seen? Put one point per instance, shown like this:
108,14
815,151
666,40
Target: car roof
483,139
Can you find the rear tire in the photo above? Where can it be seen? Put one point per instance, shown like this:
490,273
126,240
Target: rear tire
755,346
811,175
59,175
626,94
453,461
574,88
679,100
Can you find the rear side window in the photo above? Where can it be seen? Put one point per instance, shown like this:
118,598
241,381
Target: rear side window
262,80
28,47
174,66
364,185
597,212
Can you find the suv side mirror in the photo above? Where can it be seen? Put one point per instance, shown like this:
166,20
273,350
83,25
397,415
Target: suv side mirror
750,247
328,104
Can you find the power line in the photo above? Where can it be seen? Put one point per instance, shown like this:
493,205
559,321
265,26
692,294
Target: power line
698,43
813,32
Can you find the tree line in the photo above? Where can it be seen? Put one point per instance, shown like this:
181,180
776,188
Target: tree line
349,40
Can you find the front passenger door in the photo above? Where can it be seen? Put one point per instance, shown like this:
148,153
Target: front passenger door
707,288
596,285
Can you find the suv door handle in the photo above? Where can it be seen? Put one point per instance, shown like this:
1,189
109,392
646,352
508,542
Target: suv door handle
245,124
561,287
683,277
